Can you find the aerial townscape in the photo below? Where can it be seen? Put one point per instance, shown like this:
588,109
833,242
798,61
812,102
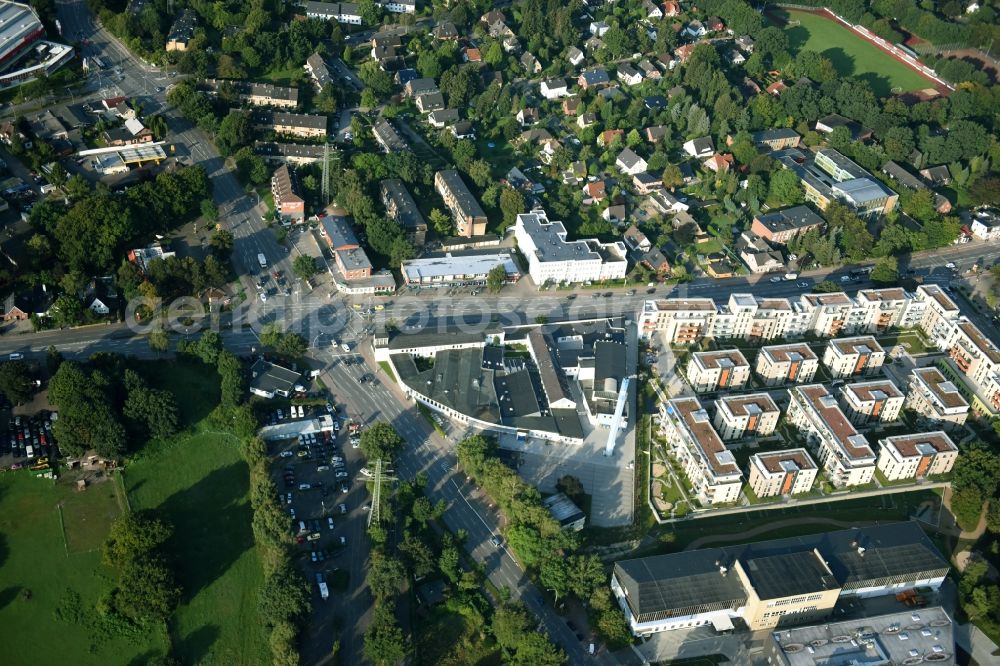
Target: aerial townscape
481,332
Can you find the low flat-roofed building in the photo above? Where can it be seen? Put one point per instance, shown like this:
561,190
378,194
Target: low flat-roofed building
269,379
781,473
794,363
709,466
877,401
845,454
681,320
751,415
868,641
916,456
714,586
400,206
860,356
552,259
565,511
471,268
936,399
718,370
781,226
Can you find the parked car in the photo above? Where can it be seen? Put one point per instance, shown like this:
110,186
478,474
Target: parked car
286,454
343,508
329,522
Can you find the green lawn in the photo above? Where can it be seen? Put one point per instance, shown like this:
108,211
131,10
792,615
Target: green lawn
850,54
200,484
35,556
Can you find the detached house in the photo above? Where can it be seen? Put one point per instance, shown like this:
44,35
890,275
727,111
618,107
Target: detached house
630,163
606,137
530,63
651,9
599,28
593,78
719,162
629,75
700,148
527,116
554,89
575,56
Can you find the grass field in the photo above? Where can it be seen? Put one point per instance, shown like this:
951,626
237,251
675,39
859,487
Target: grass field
35,556
51,535
850,54
200,484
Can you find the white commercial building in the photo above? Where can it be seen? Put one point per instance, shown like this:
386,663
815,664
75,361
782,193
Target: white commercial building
781,473
554,260
449,269
753,415
794,363
709,466
916,456
854,357
878,401
845,454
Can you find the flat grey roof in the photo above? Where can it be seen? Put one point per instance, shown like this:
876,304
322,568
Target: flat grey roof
789,574
550,240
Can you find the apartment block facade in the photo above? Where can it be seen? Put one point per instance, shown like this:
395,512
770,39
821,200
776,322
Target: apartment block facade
936,399
916,456
860,356
738,416
845,455
866,403
708,465
794,363
781,473
718,370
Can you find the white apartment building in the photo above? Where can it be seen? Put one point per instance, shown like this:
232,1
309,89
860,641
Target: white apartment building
973,353
832,314
865,403
680,320
709,466
860,356
746,317
781,473
883,309
794,363
940,313
846,456
936,399
554,260
916,456
718,370
754,415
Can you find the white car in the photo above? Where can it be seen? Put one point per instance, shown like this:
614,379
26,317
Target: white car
950,265
343,508
776,279
329,522
286,454
263,296
346,347
323,468
288,499
304,486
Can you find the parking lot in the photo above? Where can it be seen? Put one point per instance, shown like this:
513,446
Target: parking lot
28,441
321,488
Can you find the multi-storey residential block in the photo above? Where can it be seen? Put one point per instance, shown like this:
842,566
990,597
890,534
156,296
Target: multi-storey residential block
350,257
974,354
916,456
936,399
870,402
289,124
257,94
182,31
781,226
861,356
846,457
781,473
753,415
794,363
709,466
470,218
831,314
552,259
718,370
940,314
284,189
341,12
746,317
681,320
400,206
888,308
387,137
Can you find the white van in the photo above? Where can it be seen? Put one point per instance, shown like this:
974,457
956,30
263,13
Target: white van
324,591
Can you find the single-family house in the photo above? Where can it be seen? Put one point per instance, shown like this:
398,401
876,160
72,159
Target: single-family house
700,148
594,77
758,255
629,75
695,30
937,175
646,183
463,130
649,70
671,8
745,43
595,192
470,54
682,53
655,133
615,213
575,56
445,31
652,10
585,120
430,102
527,117
570,106
554,88
530,63
719,162
442,117
599,28
667,203
714,24
606,137
654,102
630,163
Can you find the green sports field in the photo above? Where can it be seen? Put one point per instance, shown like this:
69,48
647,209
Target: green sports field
850,54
